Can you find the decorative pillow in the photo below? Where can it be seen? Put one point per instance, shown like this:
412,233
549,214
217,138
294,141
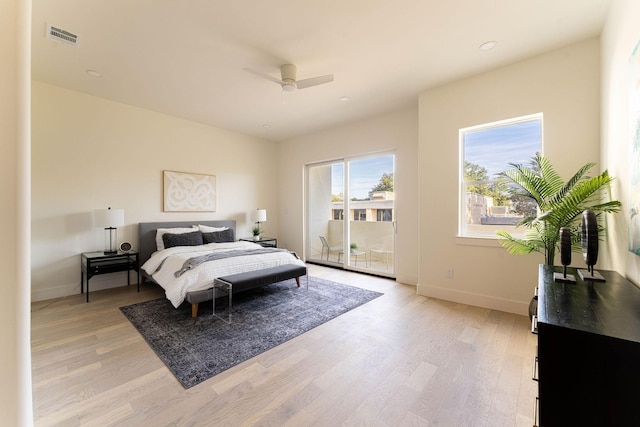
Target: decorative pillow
183,239
209,229
161,231
219,236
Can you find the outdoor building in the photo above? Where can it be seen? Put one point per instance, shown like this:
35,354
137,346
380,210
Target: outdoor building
379,207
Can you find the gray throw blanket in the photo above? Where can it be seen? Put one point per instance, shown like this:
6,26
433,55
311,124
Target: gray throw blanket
192,263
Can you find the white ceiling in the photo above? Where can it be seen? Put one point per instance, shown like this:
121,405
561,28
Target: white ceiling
186,57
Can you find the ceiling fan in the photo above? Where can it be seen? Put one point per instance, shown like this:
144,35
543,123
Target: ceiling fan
288,78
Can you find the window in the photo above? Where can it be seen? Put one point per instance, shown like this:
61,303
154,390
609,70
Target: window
383,215
359,214
338,214
488,203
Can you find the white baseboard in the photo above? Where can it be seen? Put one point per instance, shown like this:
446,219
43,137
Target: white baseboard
56,292
98,283
407,280
476,300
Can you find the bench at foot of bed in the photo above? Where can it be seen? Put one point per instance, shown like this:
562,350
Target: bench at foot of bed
249,280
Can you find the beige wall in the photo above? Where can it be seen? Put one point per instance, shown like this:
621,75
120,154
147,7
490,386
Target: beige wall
564,85
619,38
15,355
90,153
396,131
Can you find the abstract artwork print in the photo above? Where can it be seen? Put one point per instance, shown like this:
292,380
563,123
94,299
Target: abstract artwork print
189,192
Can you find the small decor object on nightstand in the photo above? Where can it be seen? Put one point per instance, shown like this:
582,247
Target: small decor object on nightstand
256,233
125,246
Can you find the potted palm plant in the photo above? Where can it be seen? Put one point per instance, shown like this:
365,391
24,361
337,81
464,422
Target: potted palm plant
558,204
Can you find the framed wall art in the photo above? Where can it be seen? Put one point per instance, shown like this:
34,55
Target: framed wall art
189,192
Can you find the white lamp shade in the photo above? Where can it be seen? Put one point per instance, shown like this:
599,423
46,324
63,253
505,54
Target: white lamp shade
259,215
106,218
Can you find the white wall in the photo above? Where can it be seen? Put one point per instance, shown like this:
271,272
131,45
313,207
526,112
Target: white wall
619,38
90,153
15,354
564,85
396,131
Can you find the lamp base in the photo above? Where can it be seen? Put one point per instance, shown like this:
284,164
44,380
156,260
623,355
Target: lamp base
110,236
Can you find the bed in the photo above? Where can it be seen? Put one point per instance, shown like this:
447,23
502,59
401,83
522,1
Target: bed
186,270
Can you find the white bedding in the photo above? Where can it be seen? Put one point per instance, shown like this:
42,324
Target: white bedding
163,264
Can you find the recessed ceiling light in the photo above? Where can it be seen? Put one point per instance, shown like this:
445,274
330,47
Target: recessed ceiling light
344,99
488,45
266,126
93,73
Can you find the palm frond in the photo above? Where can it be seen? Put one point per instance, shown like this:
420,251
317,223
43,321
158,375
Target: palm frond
551,180
516,246
608,207
572,182
526,179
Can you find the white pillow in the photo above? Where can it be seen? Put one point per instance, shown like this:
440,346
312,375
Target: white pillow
161,231
208,229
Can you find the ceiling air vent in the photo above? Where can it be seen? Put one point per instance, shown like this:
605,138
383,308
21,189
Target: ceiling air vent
61,35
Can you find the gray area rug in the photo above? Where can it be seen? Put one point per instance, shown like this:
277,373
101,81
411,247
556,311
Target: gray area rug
197,349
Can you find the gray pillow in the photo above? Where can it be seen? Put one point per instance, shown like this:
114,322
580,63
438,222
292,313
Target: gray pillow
185,239
219,236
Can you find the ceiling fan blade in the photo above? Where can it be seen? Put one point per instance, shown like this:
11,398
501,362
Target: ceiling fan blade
314,81
263,75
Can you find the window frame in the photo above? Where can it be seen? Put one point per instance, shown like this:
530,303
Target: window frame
488,234
357,214
380,214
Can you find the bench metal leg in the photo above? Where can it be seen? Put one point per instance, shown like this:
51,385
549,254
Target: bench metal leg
227,287
307,281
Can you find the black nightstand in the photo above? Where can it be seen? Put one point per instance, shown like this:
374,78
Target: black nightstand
94,263
265,242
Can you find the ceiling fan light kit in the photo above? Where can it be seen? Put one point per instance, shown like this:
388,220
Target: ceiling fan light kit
289,86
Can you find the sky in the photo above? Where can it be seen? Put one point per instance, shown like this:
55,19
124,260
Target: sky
365,174
495,148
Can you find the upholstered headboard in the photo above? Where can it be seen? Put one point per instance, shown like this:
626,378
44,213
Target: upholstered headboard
147,233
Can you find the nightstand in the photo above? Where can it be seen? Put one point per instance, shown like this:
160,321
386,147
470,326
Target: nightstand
94,263
265,242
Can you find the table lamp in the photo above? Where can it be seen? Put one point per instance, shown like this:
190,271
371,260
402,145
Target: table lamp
110,220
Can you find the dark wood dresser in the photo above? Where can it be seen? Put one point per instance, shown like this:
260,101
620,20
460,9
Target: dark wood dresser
588,361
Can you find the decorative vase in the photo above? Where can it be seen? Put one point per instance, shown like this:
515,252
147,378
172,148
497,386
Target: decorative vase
533,307
256,238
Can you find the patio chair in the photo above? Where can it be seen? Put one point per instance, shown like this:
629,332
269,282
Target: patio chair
329,249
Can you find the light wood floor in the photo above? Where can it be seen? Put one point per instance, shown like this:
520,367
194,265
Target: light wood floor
400,360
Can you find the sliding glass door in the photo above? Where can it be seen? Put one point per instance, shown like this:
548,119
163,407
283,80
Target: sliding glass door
351,213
